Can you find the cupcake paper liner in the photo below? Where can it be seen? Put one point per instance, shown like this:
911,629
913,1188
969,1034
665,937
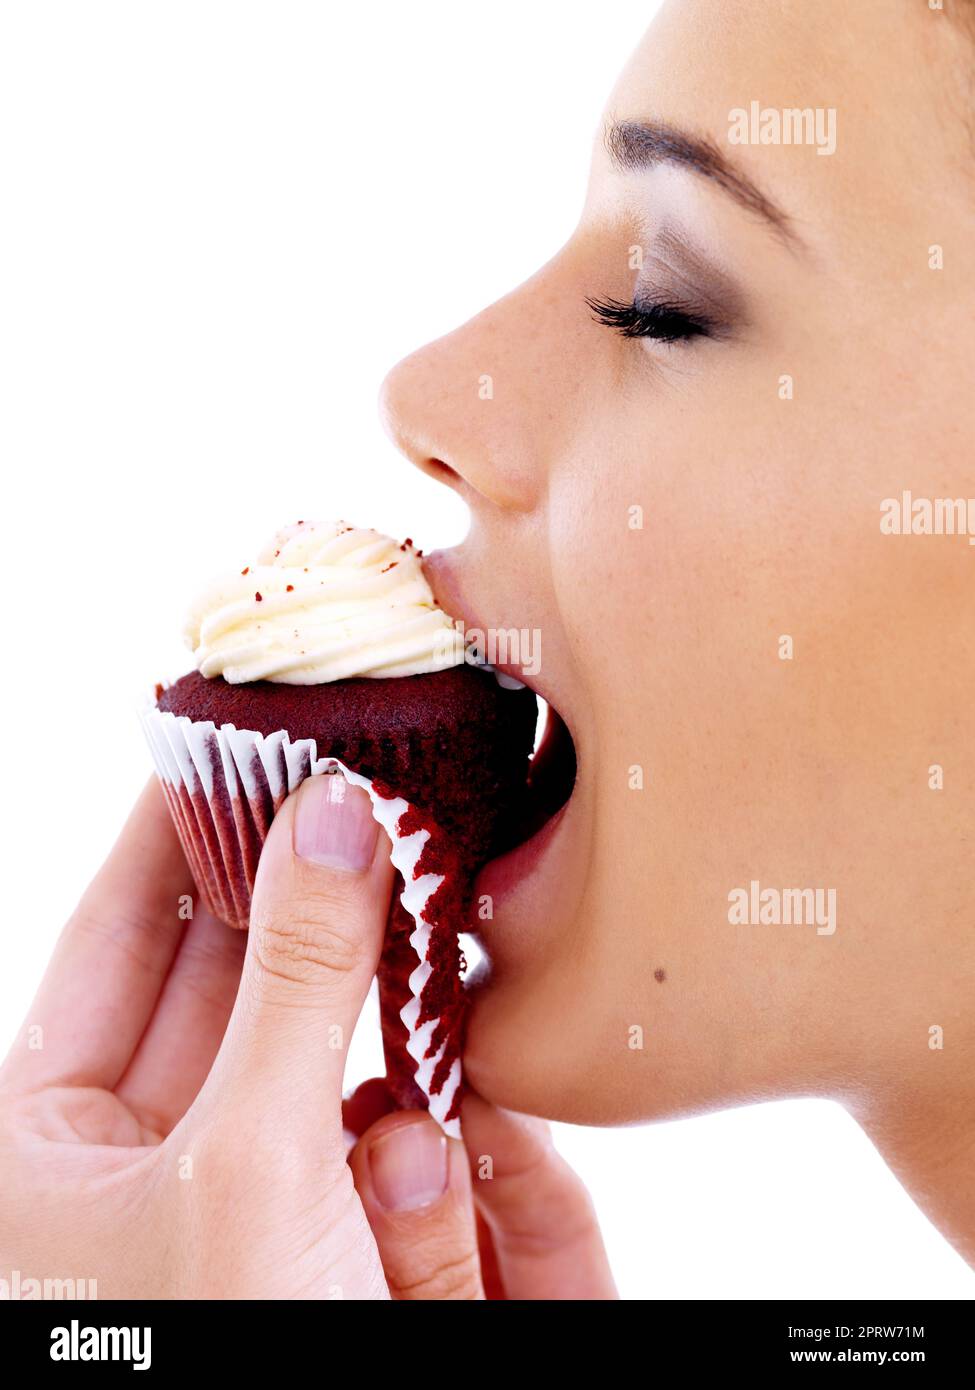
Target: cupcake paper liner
224,786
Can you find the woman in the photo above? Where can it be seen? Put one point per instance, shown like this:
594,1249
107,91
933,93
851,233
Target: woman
687,445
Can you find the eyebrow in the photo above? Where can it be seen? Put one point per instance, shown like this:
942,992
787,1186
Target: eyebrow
645,144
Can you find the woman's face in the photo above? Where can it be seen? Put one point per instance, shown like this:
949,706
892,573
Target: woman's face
757,679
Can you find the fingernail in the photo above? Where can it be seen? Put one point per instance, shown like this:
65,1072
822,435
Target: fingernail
409,1166
334,824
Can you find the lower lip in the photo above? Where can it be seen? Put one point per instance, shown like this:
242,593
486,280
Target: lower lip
499,878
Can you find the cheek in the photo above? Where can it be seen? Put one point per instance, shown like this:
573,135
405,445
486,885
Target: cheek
691,566
681,565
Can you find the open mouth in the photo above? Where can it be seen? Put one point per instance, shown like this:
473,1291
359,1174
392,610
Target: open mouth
551,776
551,779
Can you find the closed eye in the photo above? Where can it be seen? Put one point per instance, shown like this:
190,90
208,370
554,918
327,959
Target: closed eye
665,321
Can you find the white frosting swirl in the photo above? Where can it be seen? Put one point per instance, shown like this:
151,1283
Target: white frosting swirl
323,603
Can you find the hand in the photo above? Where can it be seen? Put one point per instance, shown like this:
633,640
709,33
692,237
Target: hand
170,1114
500,1215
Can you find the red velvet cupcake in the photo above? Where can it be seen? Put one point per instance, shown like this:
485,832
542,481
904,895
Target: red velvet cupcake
330,655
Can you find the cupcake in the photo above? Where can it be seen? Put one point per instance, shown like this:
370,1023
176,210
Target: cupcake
328,654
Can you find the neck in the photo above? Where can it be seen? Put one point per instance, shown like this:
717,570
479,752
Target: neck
928,1141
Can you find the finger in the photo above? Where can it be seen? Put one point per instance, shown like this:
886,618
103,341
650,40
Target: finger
110,962
319,910
543,1226
368,1103
415,1187
177,1050
490,1269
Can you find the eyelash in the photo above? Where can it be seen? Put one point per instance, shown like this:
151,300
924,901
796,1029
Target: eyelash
665,321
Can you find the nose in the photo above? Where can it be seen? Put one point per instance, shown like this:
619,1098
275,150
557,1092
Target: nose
464,408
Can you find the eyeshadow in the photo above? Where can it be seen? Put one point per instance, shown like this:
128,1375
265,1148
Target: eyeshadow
675,269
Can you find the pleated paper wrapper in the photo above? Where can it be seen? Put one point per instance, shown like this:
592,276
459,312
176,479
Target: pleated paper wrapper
224,786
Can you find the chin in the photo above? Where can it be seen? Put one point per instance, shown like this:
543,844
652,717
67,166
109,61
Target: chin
546,1036
515,1061
521,1055
534,889
504,1063
517,1053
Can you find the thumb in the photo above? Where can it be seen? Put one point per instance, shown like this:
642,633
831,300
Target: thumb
415,1187
319,910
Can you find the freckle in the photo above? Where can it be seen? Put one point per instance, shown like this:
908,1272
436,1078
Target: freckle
660,976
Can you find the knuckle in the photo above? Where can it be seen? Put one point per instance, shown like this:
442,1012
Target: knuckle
300,946
437,1278
125,929
253,1159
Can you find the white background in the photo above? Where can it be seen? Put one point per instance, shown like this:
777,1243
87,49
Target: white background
221,224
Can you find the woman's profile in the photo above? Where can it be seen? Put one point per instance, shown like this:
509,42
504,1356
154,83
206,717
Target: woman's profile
717,454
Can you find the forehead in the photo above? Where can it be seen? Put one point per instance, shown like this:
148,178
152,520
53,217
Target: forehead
886,76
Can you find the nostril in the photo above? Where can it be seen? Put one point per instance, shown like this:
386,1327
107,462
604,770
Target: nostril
441,471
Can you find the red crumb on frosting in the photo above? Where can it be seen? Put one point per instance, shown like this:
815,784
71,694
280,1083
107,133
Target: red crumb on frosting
391,566
289,589
246,569
258,597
